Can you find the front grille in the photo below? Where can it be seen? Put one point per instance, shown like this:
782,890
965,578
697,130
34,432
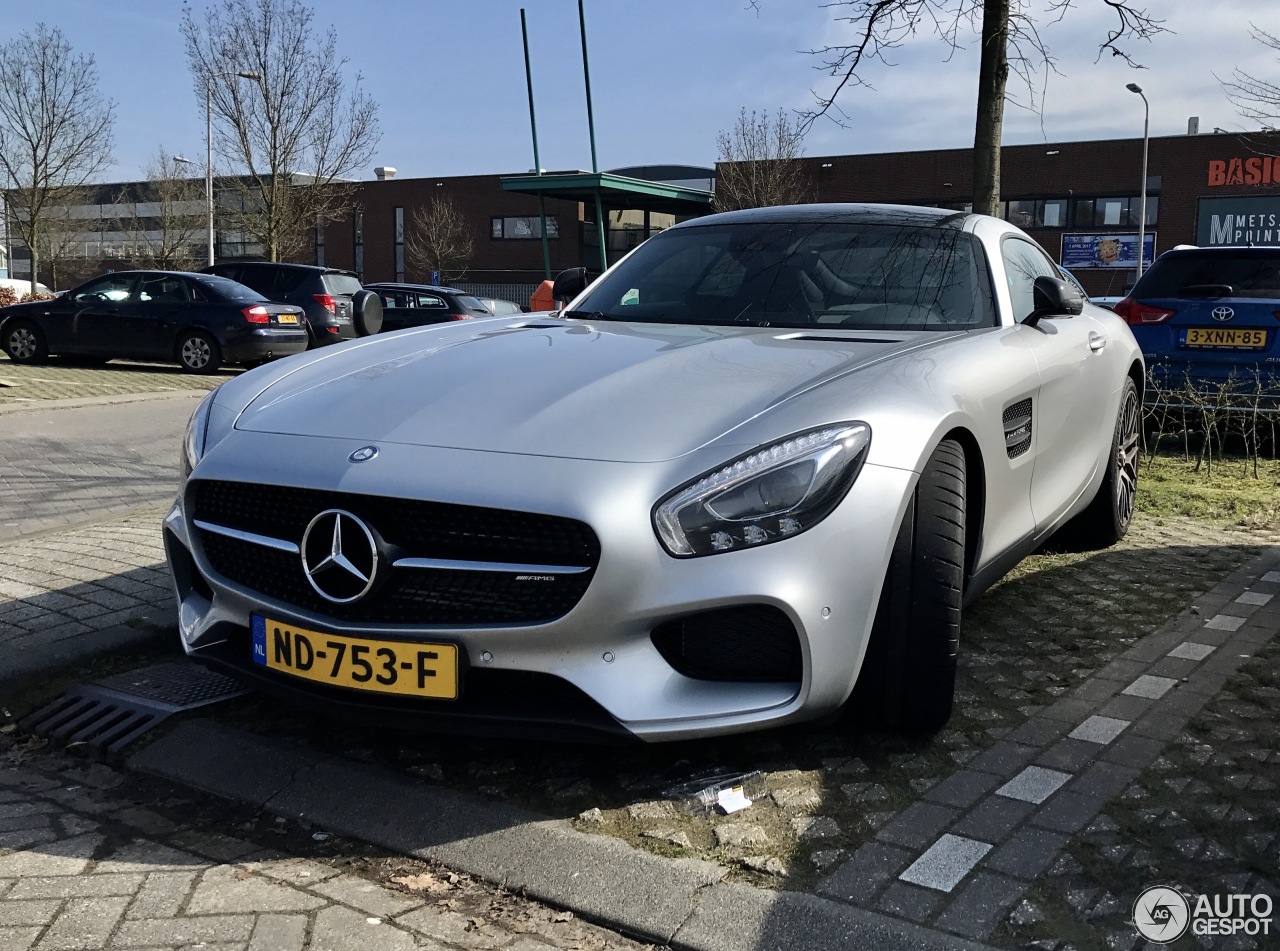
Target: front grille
1017,428
409,528
748,643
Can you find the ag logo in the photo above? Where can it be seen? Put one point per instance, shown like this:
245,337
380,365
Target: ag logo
1161,914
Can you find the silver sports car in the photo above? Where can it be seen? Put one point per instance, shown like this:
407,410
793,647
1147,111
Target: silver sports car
748,477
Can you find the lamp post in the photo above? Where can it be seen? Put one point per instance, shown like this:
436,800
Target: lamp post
1142,202
208,145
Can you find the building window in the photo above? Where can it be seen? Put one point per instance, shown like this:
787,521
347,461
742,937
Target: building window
1119,212
399,243
357,241
1038,213
528,227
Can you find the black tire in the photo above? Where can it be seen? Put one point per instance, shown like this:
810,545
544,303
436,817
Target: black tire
1109,515
24,342
198,352
366,312
908,676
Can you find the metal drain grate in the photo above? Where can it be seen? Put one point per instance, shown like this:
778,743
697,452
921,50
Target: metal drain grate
110,713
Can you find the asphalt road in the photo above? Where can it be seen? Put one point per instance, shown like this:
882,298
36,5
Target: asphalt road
62,466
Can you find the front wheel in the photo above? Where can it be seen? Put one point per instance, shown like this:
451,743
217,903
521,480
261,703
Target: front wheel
25,343
908,675
198,352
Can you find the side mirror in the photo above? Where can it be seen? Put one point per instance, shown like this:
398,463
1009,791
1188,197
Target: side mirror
1054,298
569,284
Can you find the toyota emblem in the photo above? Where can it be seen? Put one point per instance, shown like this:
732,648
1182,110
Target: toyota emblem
1223,313
363,454
339,556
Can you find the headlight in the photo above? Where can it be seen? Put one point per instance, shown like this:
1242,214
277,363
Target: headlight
769,494
193,441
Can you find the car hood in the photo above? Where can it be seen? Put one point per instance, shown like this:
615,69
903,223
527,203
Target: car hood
587,390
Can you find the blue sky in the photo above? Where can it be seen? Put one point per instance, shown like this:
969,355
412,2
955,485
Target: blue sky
666,76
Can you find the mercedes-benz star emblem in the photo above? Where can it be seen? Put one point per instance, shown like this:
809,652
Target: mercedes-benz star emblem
1223,313
339,556
363,454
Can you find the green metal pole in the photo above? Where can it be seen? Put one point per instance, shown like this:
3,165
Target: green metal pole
591,132
537,165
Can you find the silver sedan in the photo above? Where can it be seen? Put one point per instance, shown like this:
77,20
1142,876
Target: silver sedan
749,476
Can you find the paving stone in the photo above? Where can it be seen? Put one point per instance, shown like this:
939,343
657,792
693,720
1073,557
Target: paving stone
1068,812
1068,755
221,848
1133,749
1037,731
26,838
84,924
18,939
945,863
1003,759
175,932
909,901
1224,622
1153,688
740,835
1254,597
981,905
341,929
813,828
1098,729
279,933
143,855
869,868
66,857
365,895
34,912
76,886
162,895
993,819
1034,784
1125,707
963,788
918,824
1028,853
226,889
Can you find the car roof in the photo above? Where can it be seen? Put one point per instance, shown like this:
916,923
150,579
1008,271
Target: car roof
286,265
397,286
871,214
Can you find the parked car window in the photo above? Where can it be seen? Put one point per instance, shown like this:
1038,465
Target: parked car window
1247,272
260,279
162,287
112,287
222,288
399,299
473,304
430,301
1023,263
346,284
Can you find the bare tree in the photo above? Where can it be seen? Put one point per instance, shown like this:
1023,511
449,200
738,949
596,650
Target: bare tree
55,130
298,133
163,219
438,239
1010,42
758,162
1255,98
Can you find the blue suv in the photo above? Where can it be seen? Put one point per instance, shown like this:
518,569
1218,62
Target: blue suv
1208,321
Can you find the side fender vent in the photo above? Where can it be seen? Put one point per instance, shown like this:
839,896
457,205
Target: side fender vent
1017,428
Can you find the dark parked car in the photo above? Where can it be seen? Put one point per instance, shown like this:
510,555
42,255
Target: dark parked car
337,307
413,305
1208,320
502,308
199,320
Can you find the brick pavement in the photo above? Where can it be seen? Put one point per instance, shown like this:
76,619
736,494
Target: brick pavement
83,866
58,380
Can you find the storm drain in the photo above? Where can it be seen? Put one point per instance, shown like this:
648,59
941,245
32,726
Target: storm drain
110,713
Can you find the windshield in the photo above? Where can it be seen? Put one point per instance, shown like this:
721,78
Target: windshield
788,274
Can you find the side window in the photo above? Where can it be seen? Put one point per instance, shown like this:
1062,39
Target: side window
431,301
259,278
112,287
1023,263
162,287
397,299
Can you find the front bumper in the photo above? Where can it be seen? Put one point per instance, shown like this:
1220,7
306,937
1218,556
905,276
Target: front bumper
596,669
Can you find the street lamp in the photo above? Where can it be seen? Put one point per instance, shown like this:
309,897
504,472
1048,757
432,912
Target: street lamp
208,144
1142,203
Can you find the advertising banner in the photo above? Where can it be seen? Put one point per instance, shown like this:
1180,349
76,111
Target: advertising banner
1253,220
1106,250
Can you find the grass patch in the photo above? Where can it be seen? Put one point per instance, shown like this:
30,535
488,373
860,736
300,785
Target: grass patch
1230,494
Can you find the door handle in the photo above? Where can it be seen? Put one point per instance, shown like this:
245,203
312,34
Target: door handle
1096,341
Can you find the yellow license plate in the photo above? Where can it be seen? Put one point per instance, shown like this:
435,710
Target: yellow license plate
402,667
287,318
1222,337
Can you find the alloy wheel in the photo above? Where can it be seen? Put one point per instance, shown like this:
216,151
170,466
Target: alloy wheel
22,344
195,352
1128,445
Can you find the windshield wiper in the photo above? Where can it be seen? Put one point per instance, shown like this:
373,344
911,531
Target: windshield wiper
587,315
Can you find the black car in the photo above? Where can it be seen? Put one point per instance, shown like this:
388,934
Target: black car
199,320
413,305
337,307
